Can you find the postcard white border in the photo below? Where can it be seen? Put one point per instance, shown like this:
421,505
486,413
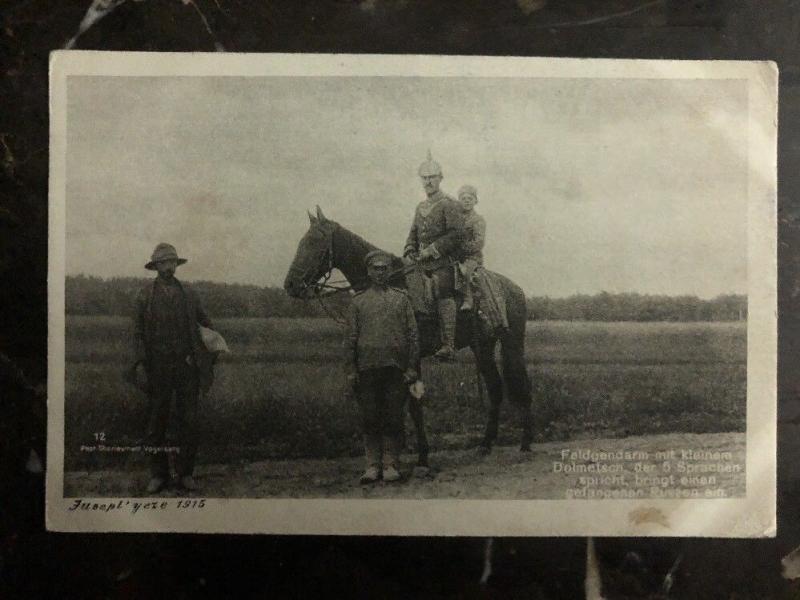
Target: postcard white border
751,516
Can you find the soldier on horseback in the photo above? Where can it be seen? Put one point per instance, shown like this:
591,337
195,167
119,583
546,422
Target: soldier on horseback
433,243
328,245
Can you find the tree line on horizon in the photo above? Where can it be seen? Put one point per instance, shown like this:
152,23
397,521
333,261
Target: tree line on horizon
89,295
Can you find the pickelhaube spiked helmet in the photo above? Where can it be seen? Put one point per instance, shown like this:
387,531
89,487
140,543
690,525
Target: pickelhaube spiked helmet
430,167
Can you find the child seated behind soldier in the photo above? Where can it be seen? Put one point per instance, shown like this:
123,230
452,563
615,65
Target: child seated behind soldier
474,239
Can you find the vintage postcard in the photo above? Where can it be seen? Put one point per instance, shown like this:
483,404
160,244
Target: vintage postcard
412,295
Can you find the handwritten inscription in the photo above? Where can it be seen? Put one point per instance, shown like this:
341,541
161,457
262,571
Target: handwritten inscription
135,506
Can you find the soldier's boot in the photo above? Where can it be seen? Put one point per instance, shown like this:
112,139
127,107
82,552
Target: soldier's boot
468,303
447,327
391,458
372,450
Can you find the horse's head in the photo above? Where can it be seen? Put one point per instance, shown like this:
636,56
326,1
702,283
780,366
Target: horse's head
313,258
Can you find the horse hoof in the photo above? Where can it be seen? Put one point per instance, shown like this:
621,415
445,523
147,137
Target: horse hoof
525,448
421,471
484,450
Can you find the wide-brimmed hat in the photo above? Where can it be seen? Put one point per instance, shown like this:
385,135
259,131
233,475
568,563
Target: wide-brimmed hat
163,252
213,340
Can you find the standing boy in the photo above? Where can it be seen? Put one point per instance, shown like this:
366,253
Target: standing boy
382,353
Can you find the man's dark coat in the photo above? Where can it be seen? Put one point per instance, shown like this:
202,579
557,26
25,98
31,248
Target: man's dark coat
143,331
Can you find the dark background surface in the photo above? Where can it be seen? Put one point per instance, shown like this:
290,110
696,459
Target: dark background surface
34,562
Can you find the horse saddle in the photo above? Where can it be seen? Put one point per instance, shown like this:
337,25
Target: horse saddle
490,300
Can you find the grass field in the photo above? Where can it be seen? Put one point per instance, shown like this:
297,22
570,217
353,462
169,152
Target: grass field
280,392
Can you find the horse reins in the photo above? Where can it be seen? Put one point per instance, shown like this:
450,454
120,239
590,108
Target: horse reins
332,288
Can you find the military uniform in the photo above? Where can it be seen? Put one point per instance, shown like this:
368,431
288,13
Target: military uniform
381,352
472,242
438,222
474,238
167,342
435,240
472,253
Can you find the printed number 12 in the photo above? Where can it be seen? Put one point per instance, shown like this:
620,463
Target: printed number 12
100,437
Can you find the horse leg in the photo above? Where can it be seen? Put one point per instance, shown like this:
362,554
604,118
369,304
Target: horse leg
518,384
418,418
494,386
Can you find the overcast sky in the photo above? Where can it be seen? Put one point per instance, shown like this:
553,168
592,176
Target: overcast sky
586,185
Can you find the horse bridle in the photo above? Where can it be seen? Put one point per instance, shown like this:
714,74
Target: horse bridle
323,287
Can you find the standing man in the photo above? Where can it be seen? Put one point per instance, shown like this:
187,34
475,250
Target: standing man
474,239
171,356
434,242
381,354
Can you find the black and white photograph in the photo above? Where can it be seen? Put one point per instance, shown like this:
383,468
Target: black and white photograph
411,295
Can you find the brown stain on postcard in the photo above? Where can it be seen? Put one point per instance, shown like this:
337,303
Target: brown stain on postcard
650,514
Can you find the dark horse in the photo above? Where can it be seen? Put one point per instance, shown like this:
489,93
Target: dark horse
328,245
